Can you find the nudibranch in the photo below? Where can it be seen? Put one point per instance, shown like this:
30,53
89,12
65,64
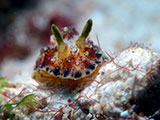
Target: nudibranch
71,57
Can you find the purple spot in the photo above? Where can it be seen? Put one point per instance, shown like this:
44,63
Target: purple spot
43,65
87,72
66,72
97,62
78,74
91,67
47,69
99,55
56,71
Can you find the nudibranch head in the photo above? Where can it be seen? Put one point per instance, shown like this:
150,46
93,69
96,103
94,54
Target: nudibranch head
70,56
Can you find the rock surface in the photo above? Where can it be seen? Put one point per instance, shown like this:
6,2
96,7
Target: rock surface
121,90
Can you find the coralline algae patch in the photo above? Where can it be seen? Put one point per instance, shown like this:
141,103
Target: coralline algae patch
123,79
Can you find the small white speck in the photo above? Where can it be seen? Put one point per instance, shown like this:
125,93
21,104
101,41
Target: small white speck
125,114
51,37
45,48
68,60
73,48
90,46
73,68
77,63
53,59
52,40
83,59
13,106
65,29
86,53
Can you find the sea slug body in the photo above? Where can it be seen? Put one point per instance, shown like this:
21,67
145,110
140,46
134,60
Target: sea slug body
71,57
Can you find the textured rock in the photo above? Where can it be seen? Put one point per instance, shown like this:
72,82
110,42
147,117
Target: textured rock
116,93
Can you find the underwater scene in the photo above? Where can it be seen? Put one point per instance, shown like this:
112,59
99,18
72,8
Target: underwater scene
79,60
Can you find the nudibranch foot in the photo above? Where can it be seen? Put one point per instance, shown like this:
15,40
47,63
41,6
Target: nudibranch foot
71,58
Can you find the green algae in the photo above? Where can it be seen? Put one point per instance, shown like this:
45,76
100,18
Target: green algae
28,101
